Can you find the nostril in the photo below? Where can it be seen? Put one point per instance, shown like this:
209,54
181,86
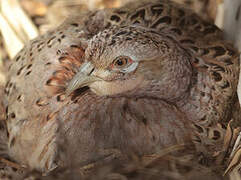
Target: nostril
91,71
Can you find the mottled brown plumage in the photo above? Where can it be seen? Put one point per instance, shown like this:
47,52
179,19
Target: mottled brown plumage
135,79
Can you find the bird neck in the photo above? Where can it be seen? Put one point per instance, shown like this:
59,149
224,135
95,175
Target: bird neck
174,80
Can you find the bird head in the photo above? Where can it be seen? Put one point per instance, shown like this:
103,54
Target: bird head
133,60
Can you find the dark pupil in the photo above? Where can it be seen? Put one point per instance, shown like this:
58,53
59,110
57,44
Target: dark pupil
119,62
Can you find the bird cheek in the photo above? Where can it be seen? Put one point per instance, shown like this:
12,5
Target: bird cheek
103,74
105,88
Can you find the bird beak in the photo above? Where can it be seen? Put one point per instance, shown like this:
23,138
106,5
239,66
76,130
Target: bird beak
82,78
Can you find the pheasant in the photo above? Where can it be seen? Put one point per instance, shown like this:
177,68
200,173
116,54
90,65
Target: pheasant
140,78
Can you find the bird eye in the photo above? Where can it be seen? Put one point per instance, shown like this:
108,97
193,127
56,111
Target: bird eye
121,62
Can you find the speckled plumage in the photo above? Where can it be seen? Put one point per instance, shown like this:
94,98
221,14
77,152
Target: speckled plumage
182,90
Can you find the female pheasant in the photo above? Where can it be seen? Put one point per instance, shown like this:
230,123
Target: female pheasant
149,75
